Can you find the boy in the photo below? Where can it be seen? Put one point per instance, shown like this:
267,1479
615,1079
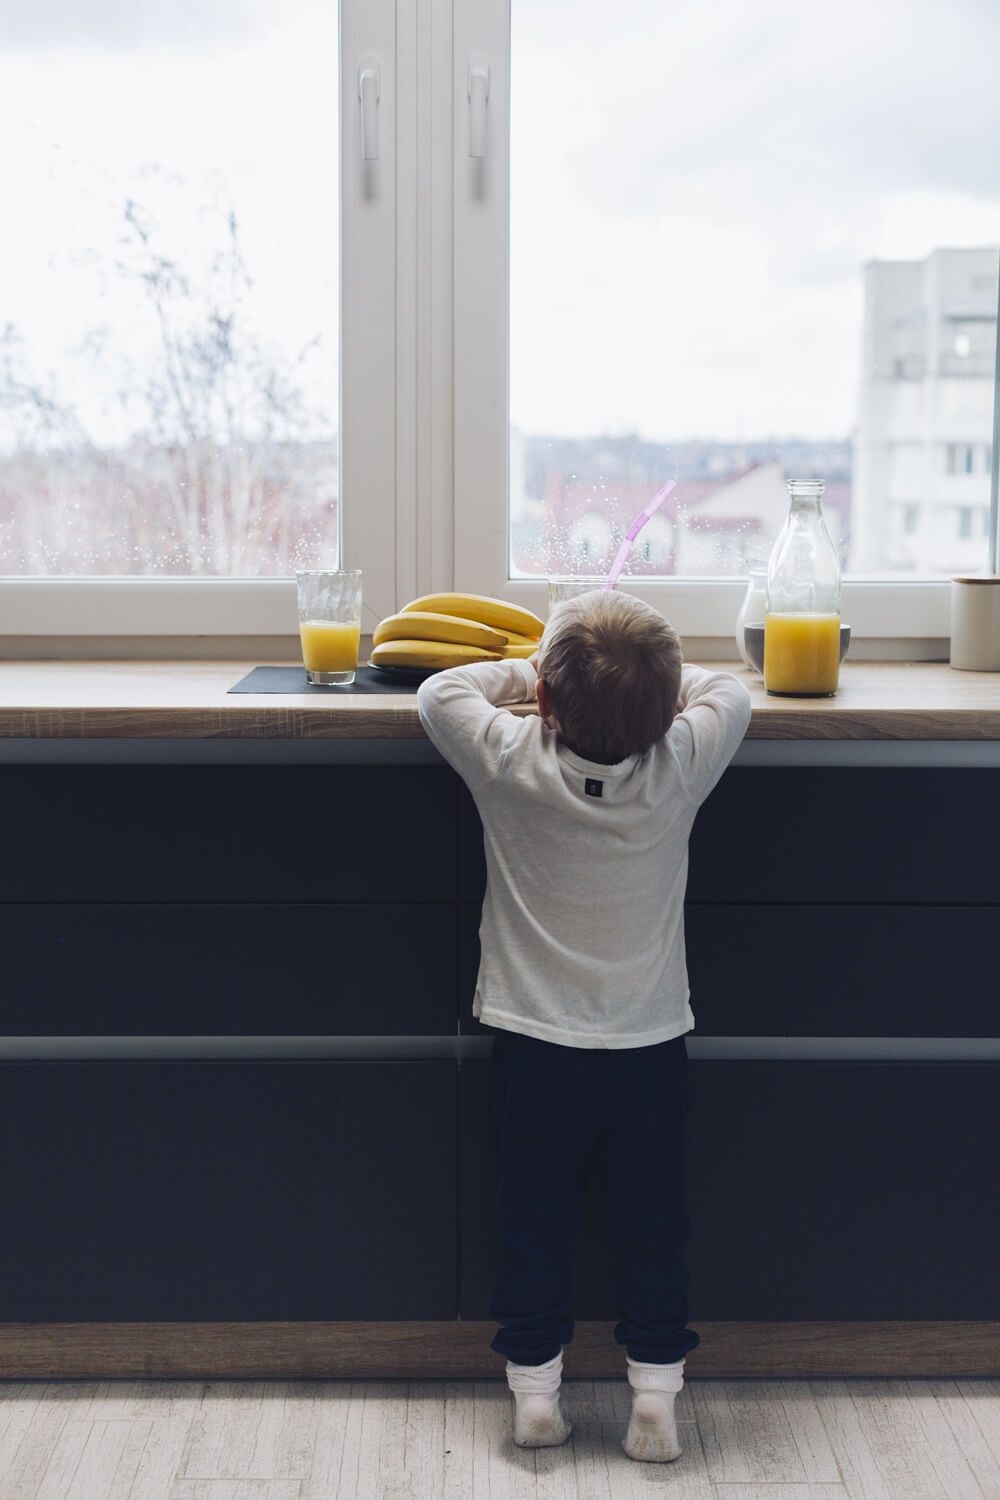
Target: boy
586,811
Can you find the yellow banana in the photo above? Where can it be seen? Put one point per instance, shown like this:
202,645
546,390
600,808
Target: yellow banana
432,655
425,626
516,652
514,639
508,618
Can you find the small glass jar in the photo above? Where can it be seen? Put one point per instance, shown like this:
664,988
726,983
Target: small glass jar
802,625
750,620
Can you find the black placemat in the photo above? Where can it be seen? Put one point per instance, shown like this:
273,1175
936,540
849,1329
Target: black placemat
293,680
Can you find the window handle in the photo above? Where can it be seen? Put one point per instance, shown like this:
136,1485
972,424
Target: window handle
479,91
369,90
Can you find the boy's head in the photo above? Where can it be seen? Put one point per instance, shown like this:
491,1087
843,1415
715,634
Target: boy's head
609,672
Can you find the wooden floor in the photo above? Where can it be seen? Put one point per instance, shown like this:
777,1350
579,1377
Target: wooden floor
450,1440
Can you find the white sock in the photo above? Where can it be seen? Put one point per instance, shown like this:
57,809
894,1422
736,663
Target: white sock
538,1418
652,1428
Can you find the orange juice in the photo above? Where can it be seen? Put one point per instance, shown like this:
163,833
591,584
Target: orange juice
801,653
329,646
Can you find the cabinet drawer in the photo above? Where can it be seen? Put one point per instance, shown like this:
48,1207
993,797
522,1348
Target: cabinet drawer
800,834
228,833
842,1191
227,1191
843,970
821,970
224,970
845,1191
797,834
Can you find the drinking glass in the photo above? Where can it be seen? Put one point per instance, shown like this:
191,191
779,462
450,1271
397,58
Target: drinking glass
750,620
330,624
561,589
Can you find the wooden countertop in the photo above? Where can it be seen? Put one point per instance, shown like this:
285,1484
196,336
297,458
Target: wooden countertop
188,700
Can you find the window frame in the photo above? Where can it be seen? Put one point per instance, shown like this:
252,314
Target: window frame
175,606
878,609
424,378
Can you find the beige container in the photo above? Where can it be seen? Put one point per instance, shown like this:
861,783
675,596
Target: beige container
975,624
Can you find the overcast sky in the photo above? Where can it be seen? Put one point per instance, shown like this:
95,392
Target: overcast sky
695,185
237,101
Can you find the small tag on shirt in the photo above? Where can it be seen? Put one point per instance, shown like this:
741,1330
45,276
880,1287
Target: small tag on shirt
594,788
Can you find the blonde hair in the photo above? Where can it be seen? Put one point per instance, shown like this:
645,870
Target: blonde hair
612,666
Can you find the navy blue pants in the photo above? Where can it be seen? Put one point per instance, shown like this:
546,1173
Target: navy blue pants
555,1113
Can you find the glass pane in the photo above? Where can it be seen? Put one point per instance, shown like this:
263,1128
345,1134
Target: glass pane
168,343
751,242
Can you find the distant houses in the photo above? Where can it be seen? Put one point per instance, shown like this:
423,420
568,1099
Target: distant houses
571,503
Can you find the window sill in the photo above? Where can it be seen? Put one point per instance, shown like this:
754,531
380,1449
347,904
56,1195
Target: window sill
145,612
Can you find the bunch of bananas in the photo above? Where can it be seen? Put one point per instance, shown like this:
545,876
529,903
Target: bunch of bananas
453,630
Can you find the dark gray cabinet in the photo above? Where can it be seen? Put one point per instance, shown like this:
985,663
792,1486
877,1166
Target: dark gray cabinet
797,835
228,833
836,835
817,1191
219,969
790,970
845,1190
821,903
244,1191
344,901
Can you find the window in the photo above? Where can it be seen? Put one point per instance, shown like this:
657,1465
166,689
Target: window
971,351
578,251
962,458
710,282
965,519
674,305
169,358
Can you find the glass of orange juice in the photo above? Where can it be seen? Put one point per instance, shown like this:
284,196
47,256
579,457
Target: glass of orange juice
330,624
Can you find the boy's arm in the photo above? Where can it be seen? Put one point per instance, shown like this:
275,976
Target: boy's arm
460,710
713,711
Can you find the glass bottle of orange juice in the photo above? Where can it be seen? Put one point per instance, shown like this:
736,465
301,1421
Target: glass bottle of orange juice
802,620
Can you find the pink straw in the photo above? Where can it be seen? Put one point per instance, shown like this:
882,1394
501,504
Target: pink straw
634,530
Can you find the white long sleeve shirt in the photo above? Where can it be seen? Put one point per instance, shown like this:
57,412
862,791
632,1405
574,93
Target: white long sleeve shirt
582,930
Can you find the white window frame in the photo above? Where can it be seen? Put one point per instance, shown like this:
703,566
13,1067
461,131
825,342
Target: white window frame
706,608
143,606
424,375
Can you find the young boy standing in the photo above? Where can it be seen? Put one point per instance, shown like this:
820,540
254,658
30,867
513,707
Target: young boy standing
586,812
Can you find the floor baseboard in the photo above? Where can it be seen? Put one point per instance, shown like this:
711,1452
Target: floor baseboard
459,1350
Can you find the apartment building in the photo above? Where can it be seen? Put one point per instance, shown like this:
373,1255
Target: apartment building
922,448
